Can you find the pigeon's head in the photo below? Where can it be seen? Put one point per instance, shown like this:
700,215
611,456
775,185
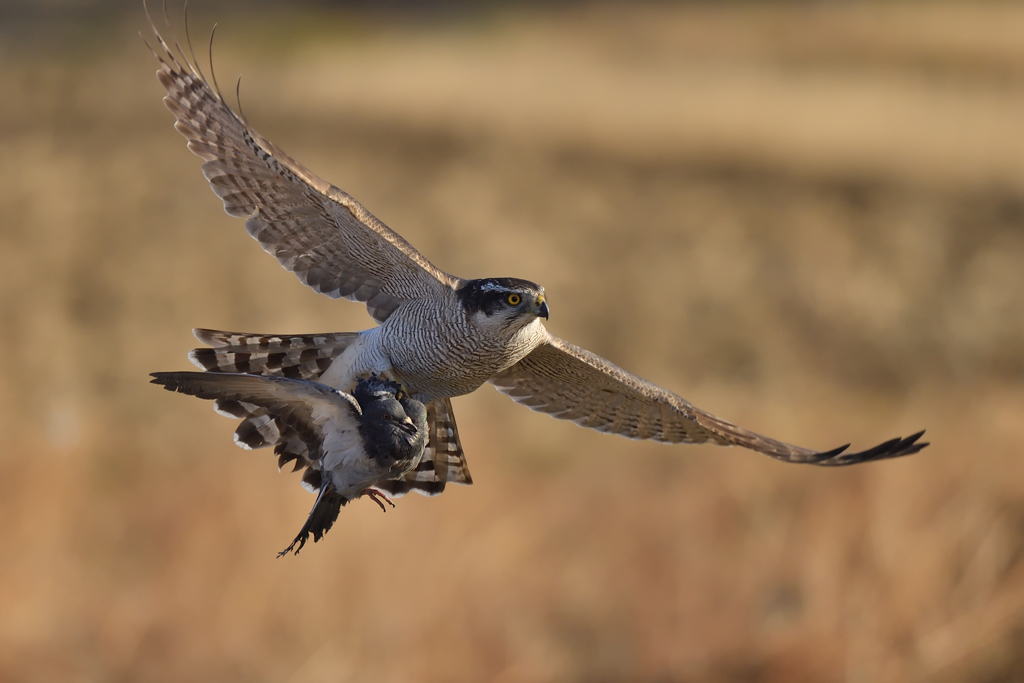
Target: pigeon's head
503,302
393,426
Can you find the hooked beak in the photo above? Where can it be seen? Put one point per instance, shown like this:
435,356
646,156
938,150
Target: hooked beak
541,308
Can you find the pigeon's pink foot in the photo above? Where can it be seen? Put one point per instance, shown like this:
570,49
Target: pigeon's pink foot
379,497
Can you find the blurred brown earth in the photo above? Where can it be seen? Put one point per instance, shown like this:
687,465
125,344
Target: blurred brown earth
806,219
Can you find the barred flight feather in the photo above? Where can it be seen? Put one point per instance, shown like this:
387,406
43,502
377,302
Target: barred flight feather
330,241
299,356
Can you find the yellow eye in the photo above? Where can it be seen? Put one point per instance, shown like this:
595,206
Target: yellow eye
514,299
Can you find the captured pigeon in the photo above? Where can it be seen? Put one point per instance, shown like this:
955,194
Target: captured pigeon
354,442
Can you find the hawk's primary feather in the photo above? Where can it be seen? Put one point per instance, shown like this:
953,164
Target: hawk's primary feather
333,244
570,383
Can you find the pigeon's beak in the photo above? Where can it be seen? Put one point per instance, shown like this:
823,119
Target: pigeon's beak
407,426
541,308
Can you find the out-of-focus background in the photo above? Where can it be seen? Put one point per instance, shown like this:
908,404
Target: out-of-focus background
807,218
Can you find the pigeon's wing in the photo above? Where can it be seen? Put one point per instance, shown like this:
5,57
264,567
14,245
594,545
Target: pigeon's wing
571,383
306,408
333,244
299,356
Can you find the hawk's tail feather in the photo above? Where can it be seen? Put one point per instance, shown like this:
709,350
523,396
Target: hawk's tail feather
299,356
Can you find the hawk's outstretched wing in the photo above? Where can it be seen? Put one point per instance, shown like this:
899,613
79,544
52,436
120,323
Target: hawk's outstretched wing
571,383
334,245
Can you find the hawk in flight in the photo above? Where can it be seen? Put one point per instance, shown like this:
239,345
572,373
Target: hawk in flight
353,442
438,335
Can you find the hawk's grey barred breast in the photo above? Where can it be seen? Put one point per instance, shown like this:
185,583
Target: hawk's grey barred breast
353,442
439,335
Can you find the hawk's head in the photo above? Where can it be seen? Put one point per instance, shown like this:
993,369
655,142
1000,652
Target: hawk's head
506,302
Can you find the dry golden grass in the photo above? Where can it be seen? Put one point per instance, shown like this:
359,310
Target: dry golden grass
813,216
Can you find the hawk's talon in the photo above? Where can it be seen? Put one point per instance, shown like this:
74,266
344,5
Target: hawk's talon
387,375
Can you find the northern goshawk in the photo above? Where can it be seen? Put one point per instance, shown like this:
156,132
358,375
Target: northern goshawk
438,335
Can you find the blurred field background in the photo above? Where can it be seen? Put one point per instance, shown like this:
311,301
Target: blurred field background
806,218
